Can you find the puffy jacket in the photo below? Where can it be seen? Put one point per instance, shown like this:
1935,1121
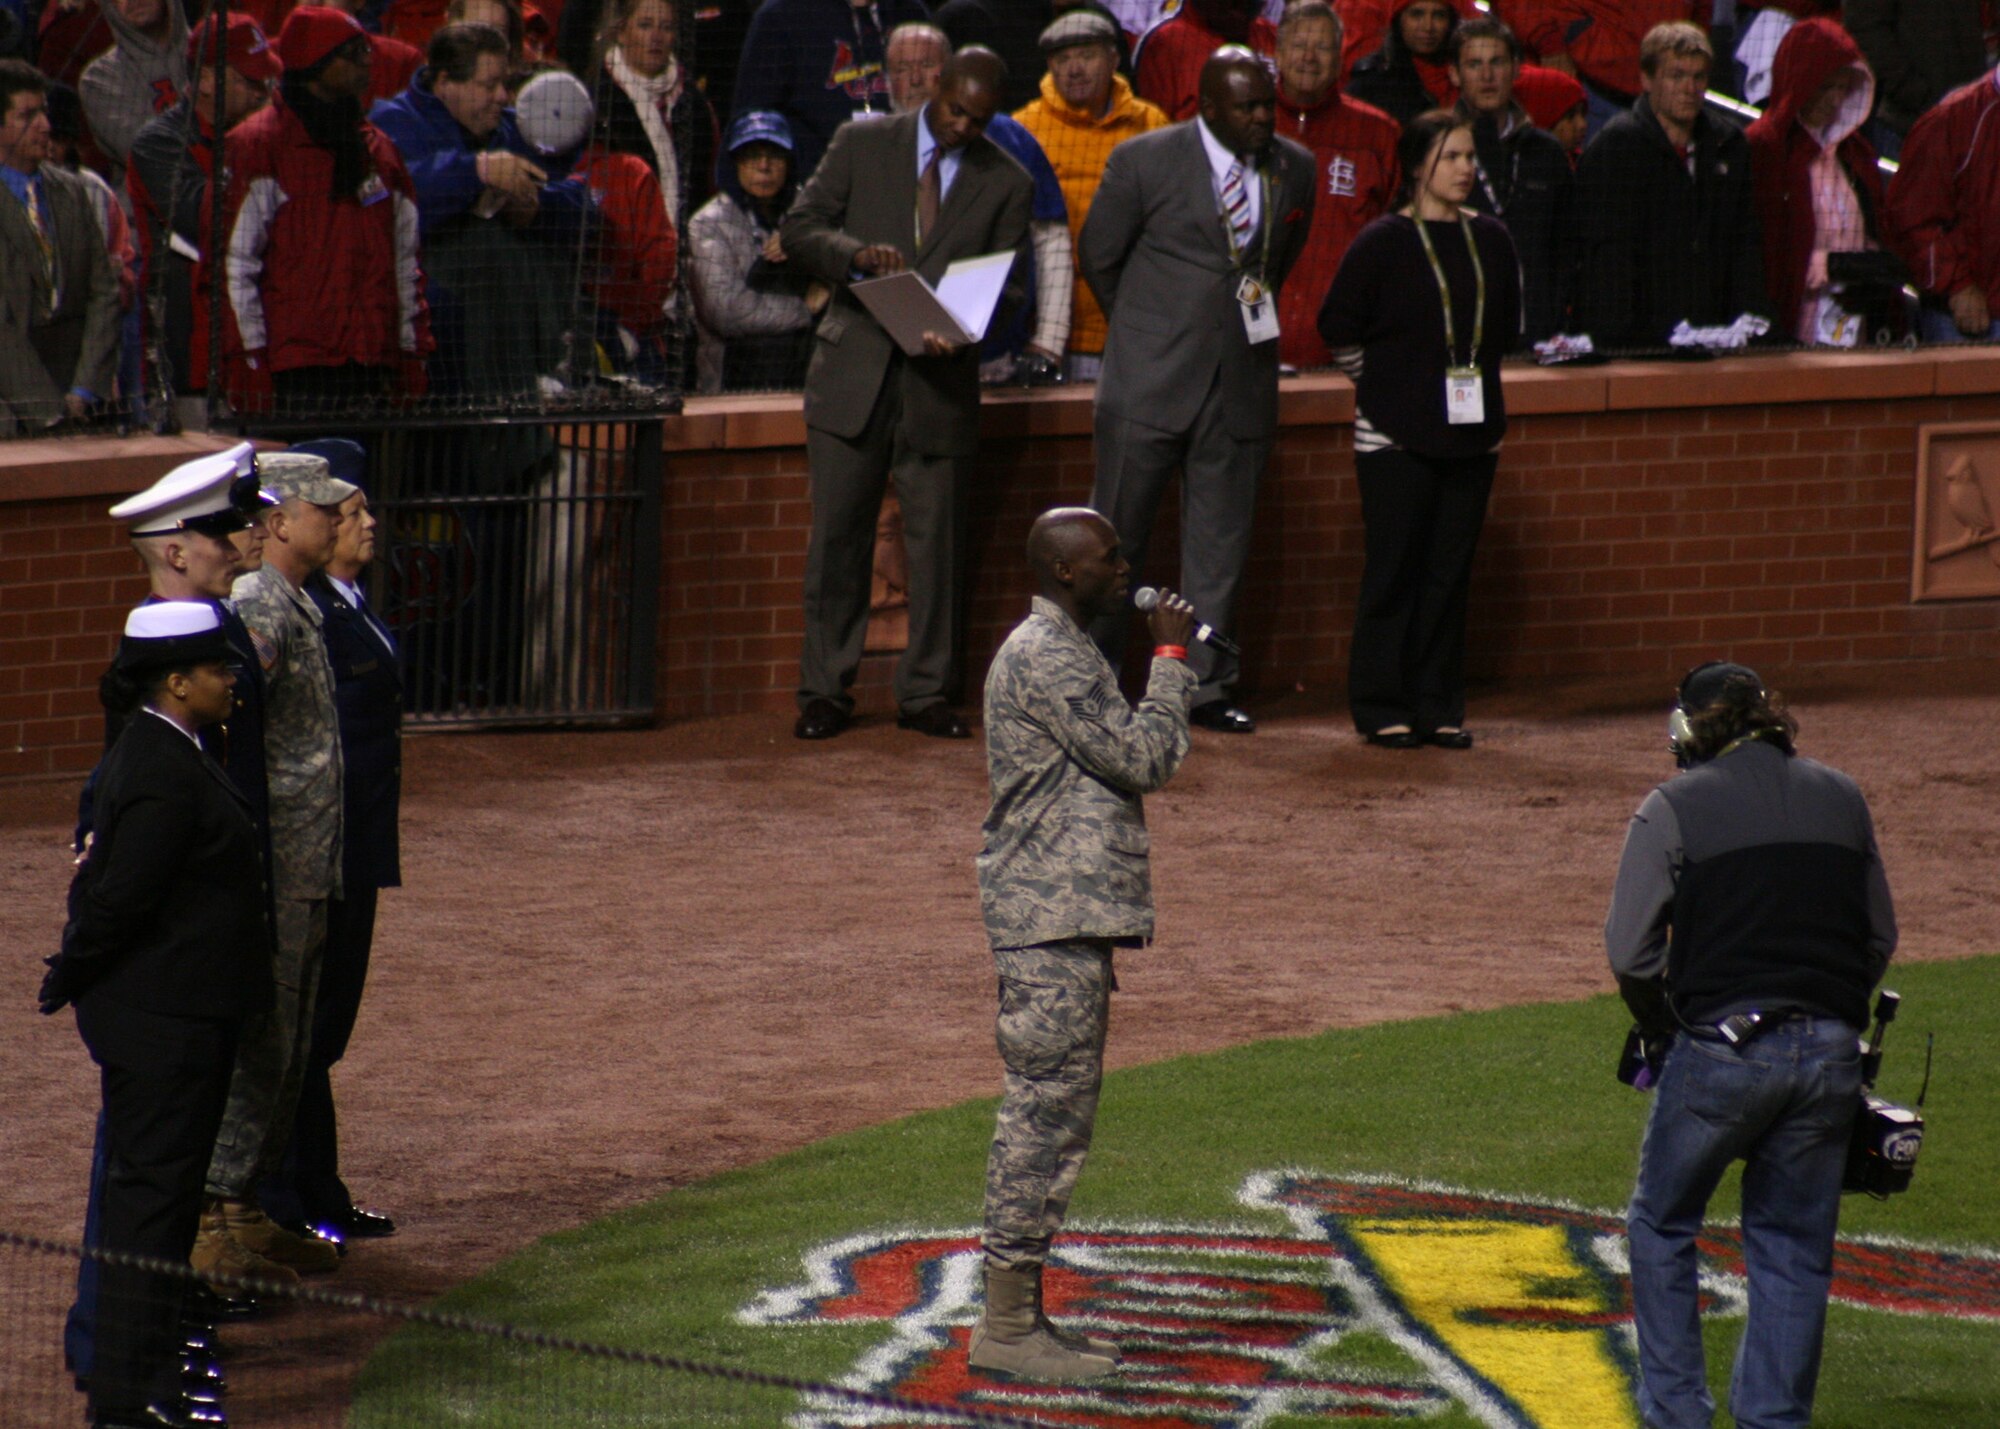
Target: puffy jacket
1919,50
1783,157
314,280
1944,203
1077,145
1354,150
1166,68
634,264
1601,36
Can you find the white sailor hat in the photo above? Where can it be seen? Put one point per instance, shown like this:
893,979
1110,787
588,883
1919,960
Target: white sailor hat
165,633
213,494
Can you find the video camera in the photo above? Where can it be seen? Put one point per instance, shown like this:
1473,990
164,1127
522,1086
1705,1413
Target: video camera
1882,1152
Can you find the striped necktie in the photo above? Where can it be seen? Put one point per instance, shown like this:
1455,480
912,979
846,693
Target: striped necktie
1236,205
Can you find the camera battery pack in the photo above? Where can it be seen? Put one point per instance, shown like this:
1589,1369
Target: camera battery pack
1882,1154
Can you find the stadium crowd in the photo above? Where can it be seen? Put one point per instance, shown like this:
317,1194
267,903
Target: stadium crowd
409,213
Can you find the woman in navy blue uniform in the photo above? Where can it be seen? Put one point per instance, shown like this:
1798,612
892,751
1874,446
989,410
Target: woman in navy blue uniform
166,951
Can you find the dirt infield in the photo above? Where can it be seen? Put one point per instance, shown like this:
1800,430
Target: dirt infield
627,961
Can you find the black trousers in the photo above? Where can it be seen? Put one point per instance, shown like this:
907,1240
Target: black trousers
307,1186
1422,517
164,1080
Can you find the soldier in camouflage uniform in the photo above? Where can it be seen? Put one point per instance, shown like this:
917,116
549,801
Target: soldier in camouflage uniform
303,767
1063,879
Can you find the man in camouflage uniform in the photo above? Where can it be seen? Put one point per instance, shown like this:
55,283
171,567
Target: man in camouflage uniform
1063,879
303,768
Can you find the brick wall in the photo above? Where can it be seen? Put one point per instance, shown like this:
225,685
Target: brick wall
1646,516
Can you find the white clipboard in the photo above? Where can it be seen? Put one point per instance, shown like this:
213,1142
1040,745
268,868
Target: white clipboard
960,307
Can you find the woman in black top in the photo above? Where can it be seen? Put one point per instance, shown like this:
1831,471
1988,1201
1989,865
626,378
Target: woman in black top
167,950
1429,417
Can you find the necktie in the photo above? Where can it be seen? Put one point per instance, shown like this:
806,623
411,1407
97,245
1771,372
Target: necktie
1236,204
930,189
38,221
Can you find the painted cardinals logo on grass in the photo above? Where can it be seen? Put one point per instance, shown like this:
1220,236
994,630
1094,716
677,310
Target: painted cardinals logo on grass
1386,1300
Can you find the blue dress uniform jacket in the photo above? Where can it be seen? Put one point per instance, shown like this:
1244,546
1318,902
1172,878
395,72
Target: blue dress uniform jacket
368,697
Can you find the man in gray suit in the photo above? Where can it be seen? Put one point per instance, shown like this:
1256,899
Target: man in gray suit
1188,241
917,191
58,293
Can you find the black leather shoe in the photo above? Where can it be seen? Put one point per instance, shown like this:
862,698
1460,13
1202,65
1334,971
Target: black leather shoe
820,719
206,1307
937,721
358,1224
153,1416
1400,739
1450,738
1222,717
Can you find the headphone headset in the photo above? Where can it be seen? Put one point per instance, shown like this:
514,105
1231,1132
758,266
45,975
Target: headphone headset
1699,688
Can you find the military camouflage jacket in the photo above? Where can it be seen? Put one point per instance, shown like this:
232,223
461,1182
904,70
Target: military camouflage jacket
1065,854
301,735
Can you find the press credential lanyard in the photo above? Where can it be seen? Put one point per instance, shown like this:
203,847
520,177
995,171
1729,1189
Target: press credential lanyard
1464,393
1260,314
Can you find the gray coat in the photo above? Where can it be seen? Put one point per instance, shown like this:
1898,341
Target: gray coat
865,193
1156,254
1066,852
42,356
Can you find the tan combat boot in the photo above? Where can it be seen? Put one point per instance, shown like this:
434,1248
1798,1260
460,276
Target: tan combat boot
1012,1337
257,1233
1069,1339
216,1252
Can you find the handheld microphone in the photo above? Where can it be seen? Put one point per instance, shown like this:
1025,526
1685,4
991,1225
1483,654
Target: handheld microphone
1145,598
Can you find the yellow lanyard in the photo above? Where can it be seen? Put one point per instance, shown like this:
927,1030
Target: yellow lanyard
1264,187
1444,291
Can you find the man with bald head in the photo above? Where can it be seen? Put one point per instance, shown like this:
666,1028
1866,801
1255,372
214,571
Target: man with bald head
918,191
1187,245
1063,880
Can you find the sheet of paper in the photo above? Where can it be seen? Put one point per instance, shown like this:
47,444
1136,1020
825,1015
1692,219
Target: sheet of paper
970,290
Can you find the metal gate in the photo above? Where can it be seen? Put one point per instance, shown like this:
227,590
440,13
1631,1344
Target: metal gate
517,563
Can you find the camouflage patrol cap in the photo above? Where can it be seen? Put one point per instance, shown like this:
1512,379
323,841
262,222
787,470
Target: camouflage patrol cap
304,477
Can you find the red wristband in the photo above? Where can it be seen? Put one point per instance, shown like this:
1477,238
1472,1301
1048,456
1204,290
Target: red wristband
1170,652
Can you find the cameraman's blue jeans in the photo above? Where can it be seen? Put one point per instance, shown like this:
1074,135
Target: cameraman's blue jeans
1784,1105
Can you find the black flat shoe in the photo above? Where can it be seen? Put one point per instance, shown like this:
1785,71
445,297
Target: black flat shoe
937,721
1450,738
820,719
1400,739
1222,717
359,1224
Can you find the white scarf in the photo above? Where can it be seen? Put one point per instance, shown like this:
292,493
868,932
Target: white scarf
654,99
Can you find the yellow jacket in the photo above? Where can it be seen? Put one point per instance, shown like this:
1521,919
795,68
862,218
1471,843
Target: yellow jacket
1078,143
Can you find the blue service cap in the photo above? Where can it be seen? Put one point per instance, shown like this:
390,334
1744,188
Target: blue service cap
346,458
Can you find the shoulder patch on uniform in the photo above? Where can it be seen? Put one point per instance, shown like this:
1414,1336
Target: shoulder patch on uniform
267,653
1090,705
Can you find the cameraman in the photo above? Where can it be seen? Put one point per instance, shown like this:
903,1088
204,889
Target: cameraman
1750,920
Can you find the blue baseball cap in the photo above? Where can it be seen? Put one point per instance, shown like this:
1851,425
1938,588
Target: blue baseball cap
759,126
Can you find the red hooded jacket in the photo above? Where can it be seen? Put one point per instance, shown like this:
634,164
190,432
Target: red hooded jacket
1944,203
1782,151
1354,149
1167,67
1601,36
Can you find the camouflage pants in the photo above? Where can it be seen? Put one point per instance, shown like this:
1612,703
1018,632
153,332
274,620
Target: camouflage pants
271,1058
1055,1006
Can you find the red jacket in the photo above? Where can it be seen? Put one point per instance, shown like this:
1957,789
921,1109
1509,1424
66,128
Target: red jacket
636,261
1782,151
315,281
1167,67
1944,203
1602,36
1354,150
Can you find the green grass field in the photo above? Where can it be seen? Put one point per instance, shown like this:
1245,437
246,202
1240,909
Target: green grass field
1518,1103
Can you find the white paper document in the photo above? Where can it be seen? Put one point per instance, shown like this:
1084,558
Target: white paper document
960,307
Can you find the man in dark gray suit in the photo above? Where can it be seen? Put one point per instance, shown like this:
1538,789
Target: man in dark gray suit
1189,238
917,191
58,293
